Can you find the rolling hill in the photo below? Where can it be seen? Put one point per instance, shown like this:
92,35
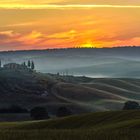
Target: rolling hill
79,94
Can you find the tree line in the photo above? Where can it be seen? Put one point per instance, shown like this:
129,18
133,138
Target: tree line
30,64
36,113
40,113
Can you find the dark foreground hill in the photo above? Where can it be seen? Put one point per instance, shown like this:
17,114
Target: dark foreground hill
79,94
119,125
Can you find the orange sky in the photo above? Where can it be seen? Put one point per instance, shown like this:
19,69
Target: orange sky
59,23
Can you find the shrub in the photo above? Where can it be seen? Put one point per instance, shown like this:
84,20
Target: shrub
39,113
63,111
129,105
13,109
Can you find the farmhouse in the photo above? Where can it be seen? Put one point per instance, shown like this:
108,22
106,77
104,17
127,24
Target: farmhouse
14,66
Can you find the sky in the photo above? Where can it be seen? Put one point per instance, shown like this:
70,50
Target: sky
43,24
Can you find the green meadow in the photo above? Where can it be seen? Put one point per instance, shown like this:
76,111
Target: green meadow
117,125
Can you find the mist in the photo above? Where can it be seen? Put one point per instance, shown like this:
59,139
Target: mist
96,63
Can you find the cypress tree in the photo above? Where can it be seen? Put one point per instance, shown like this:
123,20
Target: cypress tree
0,63
24,63
29,63
32,65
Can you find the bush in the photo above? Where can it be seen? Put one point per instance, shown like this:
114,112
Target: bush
13,109
63,111
130,105
39,113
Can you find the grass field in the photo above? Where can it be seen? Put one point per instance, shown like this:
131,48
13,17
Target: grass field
117,125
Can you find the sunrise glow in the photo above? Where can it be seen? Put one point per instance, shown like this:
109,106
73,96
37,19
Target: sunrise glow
65,24
88,44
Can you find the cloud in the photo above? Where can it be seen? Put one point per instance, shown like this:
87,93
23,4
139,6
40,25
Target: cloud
63,35
66,6
70,1
10,40
7,35
131,41
29,1
18,25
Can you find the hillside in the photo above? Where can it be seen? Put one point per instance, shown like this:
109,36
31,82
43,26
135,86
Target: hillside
119,125
20,87
79,94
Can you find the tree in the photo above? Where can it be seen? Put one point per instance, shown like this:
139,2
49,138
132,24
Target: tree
32,65
24,63
0,63
29,63
14,109
129,105
39,113
18,109
63,111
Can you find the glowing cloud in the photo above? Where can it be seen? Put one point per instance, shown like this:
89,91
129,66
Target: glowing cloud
51,6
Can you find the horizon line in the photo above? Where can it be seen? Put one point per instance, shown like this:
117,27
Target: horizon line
63,6
119,47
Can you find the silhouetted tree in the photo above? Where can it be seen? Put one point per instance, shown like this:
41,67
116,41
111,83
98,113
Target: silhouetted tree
130,105
32,65
63,111
0,63
13,109
18,109
39,113
29,63
24,63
